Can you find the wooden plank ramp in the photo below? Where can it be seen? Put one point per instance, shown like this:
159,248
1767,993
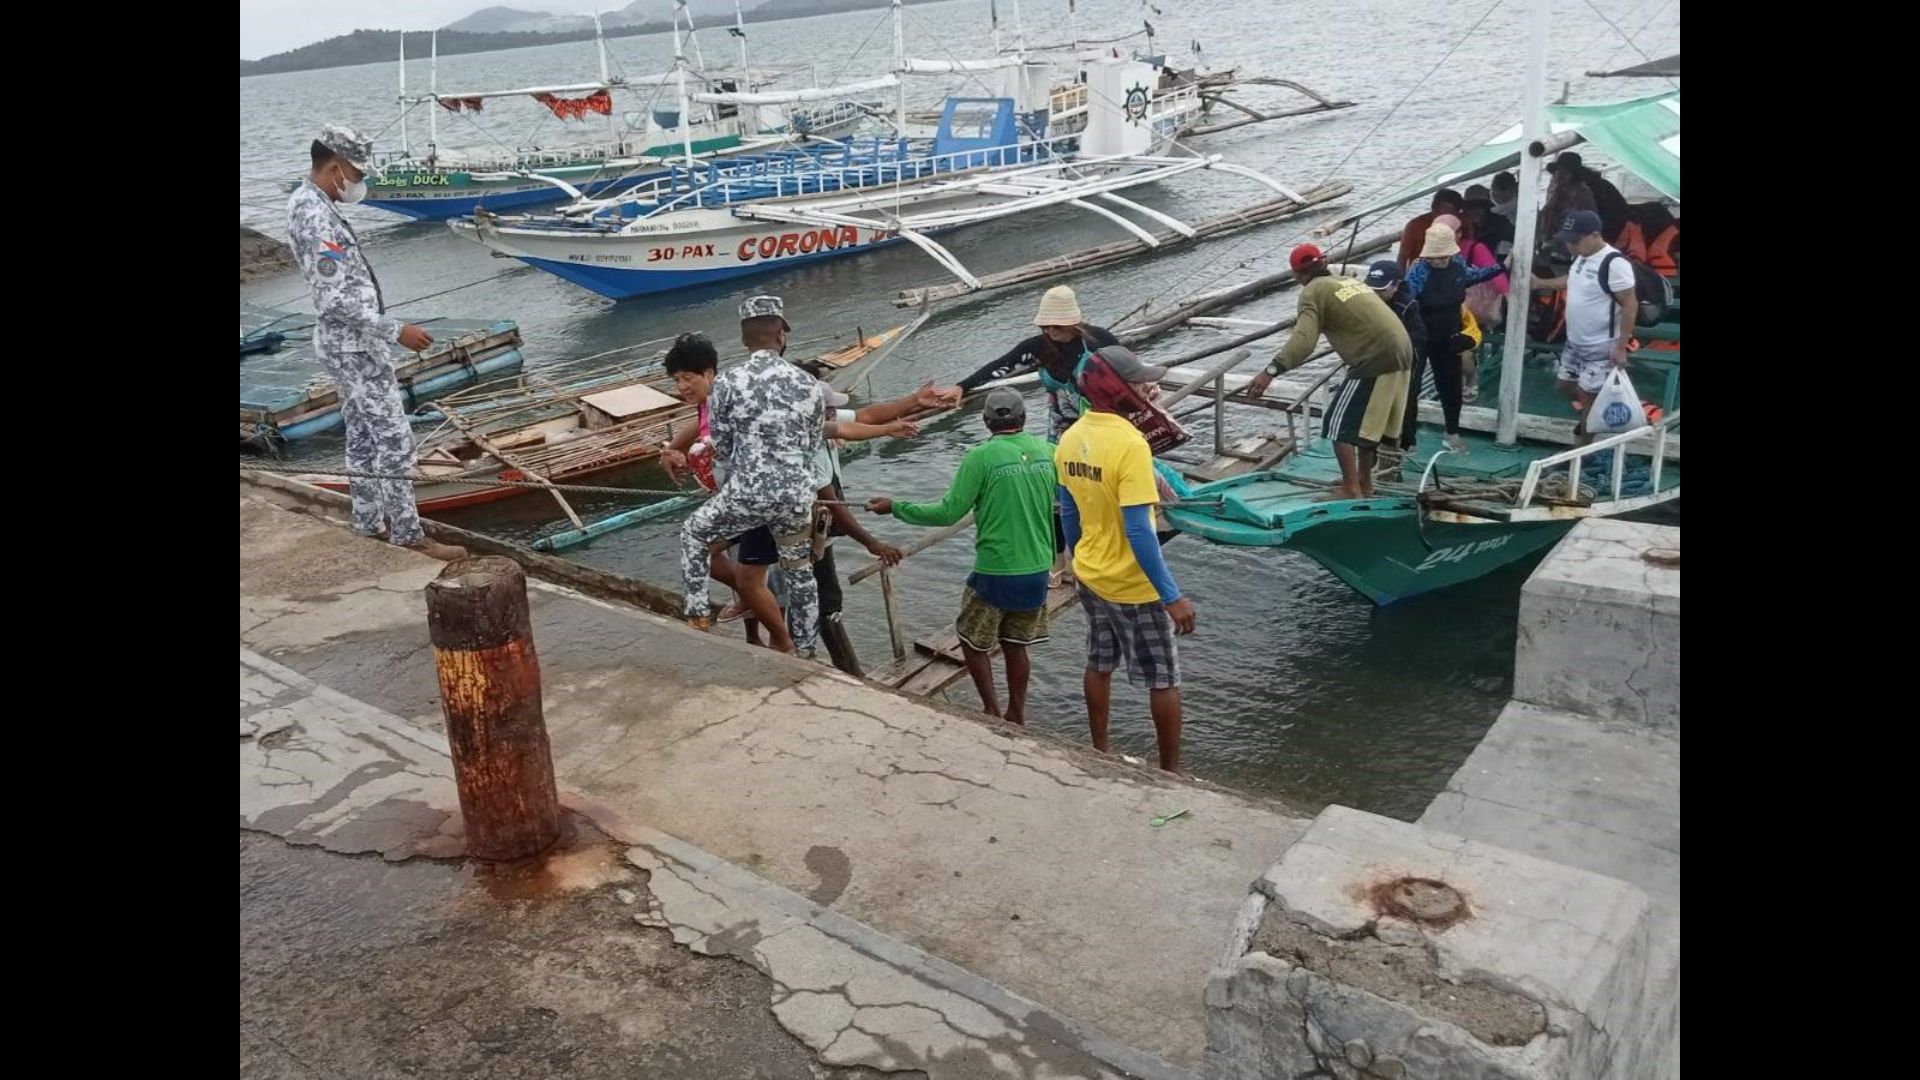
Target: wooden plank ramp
935,662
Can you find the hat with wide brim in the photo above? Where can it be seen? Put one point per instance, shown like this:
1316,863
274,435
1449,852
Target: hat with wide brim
1059,307
1440,243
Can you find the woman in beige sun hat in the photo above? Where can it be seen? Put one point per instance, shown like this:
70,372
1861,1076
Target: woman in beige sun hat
1439,280
1064,340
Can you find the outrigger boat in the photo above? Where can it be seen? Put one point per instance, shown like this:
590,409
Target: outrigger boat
597,420
440,185
990,158
285,394
1521,483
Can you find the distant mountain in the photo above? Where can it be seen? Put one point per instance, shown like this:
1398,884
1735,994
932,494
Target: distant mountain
506,20
379,46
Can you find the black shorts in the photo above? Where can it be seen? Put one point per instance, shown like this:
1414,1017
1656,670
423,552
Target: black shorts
1366,410
756,548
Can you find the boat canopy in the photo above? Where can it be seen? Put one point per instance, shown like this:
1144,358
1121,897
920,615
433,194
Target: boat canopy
1643,135
794,97
948,67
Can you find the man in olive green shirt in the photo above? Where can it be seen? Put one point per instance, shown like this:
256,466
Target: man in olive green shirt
1007,483
1372,342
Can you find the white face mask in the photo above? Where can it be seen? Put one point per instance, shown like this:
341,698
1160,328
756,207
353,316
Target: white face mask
352,191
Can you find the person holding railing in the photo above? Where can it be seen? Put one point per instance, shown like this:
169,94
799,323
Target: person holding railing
1374,345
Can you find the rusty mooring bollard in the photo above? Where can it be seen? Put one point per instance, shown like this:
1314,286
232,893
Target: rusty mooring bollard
490,690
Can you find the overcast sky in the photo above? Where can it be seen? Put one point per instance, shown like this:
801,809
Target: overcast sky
271,26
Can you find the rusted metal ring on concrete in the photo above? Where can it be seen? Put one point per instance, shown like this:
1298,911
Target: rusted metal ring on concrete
1421,900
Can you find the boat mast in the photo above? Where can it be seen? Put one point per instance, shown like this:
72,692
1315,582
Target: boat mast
1073,24
1533,126
680,81
405,151
993,20
1019,30
740,31
900,67
433,92
600,43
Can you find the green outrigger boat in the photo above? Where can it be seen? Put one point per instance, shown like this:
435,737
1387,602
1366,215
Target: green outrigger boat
1411,539
1451,517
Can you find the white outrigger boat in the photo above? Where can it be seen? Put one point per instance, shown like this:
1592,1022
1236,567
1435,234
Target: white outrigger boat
640,138
990,157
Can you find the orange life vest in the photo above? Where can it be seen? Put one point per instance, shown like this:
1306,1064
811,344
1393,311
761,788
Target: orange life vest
1633,241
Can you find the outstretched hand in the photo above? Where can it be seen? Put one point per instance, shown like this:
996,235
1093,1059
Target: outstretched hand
886,553
880,505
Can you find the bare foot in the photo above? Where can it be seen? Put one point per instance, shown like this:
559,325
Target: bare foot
1336,494
702,623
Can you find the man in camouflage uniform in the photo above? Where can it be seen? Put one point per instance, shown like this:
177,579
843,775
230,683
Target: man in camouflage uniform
351,335
768,420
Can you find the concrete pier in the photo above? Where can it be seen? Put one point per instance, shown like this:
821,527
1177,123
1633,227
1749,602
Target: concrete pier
855,882
1529,924
924,888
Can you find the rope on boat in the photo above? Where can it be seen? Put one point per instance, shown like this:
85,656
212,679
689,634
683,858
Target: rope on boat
589,489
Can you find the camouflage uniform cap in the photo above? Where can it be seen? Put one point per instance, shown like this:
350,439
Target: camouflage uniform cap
349,144
755,307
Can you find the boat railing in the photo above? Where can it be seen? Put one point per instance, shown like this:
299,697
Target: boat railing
1297,409
758,178
1656,434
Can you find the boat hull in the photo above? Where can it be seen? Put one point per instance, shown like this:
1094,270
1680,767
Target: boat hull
1383,547
685,249
1383,552
716,247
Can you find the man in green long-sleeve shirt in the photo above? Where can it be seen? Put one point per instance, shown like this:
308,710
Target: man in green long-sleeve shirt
1008,484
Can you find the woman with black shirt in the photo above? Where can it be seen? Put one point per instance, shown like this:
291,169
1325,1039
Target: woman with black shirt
1063,341
1055,352
1439,280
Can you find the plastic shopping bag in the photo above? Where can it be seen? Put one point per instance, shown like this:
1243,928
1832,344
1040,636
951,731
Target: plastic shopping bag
1616,408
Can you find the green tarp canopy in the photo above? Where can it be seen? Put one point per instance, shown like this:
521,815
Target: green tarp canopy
1643,135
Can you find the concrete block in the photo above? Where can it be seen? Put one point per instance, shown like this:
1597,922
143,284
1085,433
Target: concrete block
1601,796
1389,949
1600,627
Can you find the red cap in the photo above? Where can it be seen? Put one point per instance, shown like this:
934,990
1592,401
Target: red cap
1304,256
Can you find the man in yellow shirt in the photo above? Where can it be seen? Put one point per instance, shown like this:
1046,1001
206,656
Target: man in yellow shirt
1134,608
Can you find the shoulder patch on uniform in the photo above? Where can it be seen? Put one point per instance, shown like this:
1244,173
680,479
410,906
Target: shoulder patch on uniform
331,250
327,267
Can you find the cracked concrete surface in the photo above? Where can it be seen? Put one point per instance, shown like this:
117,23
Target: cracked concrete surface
1016,860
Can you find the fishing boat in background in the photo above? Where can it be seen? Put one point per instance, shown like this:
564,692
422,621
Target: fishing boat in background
640,138
285,393
990,158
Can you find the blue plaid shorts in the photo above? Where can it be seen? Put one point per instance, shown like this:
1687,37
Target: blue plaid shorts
1140,634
